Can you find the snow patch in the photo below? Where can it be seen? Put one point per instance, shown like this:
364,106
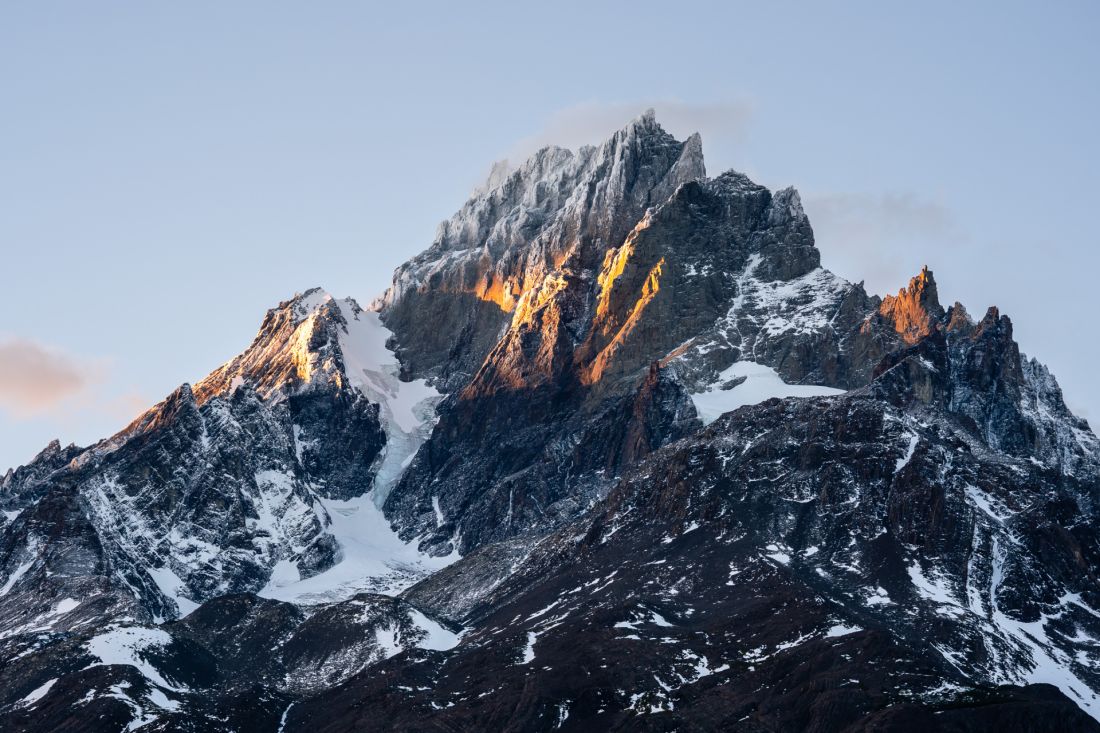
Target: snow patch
172,587
36,694
284,573
931,587
529,649
18,573
761,383
373,558
904,460
878,596
439,520
989,506
162,701
407,408
308,302
437,637
658,619
127,646
777,554
388,640
841,630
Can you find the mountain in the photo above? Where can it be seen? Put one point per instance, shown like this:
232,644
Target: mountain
614,453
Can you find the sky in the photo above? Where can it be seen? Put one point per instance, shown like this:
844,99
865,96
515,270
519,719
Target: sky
168,171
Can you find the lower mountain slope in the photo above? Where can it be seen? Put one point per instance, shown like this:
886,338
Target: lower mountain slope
803,564
859,562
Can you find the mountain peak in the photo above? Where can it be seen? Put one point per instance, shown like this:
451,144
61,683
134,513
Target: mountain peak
644,370
559,211
916,309
53,448
315,342
645,122
307,303
296,345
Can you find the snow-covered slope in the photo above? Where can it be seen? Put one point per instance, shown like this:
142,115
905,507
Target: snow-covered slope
371,556
408,407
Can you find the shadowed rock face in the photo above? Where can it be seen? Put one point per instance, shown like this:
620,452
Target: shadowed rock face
920,552
237,661
712,272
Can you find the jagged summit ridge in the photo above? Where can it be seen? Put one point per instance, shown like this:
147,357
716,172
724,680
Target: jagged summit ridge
549,193
553,216
296,346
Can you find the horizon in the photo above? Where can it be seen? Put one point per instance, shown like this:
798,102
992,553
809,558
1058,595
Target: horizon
160,199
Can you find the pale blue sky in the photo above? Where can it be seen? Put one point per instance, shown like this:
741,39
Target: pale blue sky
169,171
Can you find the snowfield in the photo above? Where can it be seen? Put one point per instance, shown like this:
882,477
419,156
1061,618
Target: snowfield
760,383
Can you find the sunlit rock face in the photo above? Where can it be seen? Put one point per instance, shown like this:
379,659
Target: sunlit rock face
915,310
297,345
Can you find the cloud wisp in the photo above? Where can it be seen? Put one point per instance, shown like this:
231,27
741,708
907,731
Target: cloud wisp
36,379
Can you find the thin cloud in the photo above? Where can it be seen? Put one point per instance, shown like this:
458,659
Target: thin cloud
592,123
35,379
881,239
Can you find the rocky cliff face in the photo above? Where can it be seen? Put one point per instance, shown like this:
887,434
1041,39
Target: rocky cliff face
710,273
615,453
915,311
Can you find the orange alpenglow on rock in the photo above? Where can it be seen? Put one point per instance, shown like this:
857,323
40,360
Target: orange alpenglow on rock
650,286
915,310
505,292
